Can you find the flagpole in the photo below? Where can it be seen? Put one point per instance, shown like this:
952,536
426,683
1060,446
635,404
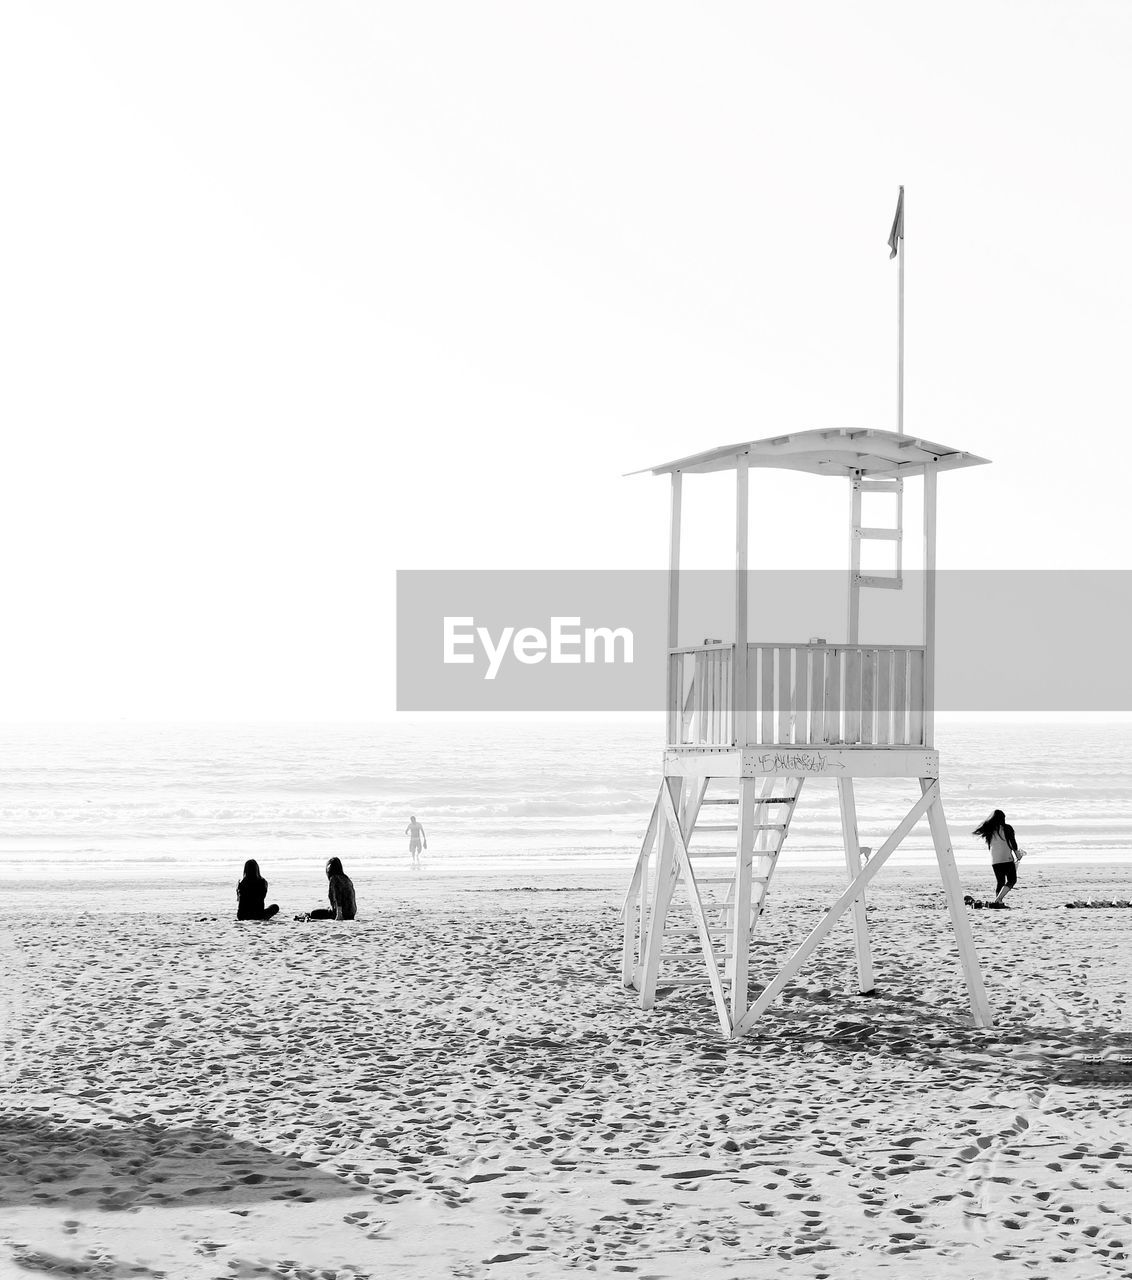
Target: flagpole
900,327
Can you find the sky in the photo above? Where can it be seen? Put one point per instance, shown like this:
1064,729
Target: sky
294,296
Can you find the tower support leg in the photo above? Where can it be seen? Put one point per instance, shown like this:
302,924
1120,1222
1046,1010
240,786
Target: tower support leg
741,900
635,909
848,804
953,891
662,896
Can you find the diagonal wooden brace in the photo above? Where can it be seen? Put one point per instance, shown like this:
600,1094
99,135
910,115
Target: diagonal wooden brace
777,984
636,898
668,810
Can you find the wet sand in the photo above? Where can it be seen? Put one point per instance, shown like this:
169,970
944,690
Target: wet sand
457,1084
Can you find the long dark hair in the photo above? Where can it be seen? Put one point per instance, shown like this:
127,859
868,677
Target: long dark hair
251,870
334,868
994,824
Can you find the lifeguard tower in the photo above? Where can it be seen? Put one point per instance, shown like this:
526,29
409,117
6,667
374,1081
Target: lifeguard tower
749,722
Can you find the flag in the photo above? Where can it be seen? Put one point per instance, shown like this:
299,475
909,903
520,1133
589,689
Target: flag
897,232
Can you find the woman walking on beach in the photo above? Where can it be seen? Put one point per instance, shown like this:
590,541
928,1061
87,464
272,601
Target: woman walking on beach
343,905
1004,853
251,895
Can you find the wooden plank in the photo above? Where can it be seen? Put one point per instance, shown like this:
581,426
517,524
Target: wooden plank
688,664
721,711
709,668
713,698
783,760
704,763
848,805
700,698
860,882
785,684
833,696
818,656
953,891
766,693
852,698
879,534
801,694
733,667
900,696
884,696
868,696
672,736
751,685
916,698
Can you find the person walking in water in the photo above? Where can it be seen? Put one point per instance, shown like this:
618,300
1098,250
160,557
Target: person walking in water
1004,854
417,837
251,895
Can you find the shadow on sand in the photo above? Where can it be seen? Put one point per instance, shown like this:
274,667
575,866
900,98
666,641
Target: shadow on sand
48,1163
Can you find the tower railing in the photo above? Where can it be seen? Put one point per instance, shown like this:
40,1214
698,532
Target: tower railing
798,694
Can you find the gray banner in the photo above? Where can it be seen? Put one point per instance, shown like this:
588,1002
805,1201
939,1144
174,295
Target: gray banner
588,640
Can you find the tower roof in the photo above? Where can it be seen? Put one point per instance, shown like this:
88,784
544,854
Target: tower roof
835,452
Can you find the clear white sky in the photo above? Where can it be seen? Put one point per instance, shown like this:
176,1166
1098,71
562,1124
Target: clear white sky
295,295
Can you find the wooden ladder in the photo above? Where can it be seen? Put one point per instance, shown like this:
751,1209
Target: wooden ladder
733,843
862,533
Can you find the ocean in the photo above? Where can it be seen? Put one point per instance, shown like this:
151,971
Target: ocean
109,802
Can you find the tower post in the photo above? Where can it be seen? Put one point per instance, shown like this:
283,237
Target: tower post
929,602
848,804
854,628
953,892
739,673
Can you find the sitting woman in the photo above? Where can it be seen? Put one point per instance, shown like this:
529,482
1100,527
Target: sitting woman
342,903
251,895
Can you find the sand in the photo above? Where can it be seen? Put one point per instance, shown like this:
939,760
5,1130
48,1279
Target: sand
457,1085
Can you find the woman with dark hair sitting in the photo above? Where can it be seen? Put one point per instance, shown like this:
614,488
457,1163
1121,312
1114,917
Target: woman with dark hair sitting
342,903
251,895
1004,854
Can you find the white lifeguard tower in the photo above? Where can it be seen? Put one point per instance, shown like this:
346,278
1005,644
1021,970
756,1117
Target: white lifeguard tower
749,722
